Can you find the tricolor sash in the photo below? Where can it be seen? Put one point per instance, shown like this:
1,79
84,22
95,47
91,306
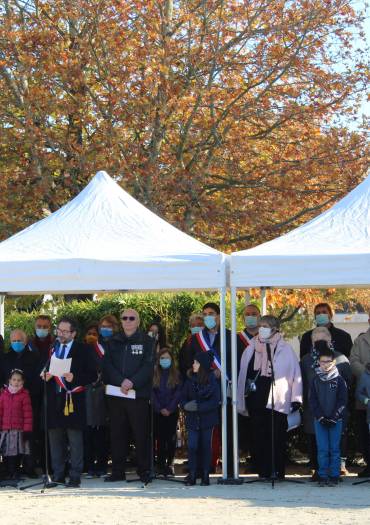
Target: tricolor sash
206,348
99,350
68,407
244,338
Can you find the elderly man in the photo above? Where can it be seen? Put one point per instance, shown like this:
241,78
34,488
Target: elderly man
340,339
20,356
128,364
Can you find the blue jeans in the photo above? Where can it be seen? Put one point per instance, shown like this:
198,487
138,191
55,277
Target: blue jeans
200,441
328,449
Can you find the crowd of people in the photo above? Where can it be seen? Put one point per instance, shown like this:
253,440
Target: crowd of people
125,386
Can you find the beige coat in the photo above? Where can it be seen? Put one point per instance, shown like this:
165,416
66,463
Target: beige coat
360,356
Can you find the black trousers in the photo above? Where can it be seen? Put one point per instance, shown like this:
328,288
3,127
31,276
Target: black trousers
363,434
165,436
96,449
262,441
126,414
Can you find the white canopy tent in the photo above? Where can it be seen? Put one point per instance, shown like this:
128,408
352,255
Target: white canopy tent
105,240
332,250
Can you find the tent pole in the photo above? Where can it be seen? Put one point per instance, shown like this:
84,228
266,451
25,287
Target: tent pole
234,380
263,300
222,292
2,314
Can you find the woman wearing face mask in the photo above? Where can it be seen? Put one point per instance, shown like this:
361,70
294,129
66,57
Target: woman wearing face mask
341,340
321,341
255,393
96,443
20,356
167,388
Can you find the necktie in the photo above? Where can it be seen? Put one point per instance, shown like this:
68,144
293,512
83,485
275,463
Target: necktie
63,352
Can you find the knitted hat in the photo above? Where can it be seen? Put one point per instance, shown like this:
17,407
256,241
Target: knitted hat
205,359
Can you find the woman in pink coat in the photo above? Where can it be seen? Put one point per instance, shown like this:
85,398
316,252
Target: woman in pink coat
255,394
15,422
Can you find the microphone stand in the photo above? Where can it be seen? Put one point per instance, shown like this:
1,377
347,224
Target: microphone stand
274,477
46,482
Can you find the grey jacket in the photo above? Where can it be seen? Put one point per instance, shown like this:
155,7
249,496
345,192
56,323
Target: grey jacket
360,356
363,392
308,374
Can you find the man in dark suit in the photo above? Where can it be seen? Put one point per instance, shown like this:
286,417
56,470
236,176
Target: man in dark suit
66,403
209,339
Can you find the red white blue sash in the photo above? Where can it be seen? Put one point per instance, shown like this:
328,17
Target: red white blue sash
99,350
206,348
244,338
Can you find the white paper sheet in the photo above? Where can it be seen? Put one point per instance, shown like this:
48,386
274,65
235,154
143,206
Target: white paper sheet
58,367
111,390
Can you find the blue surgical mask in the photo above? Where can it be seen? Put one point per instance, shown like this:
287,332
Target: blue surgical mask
105,331
42,332
251,321
322,319
17,346
195,329
210,321
165,362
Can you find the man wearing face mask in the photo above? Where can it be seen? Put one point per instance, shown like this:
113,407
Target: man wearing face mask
20,356
251,316
186,355
43,340
208,339
341,340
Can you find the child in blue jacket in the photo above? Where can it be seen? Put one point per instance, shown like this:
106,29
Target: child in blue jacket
200,400
328,400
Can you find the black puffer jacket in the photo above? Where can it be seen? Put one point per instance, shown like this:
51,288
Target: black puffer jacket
130,358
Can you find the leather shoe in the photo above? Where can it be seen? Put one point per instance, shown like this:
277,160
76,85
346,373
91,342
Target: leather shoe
73,483
364,473
205,480
58,479
115,477
190,480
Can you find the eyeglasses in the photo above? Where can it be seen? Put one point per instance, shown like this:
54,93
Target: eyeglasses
63,332
128,318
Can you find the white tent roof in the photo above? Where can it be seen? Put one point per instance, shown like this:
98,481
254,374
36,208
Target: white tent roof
106,240
331,250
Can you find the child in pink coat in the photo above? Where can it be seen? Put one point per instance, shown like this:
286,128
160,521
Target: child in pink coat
15,422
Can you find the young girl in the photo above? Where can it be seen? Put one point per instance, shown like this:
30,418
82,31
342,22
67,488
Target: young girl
201,399
15,421
167,389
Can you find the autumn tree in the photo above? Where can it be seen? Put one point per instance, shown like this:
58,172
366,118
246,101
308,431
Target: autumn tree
226,117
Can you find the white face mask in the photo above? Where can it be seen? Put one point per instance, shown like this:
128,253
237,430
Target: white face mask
264,332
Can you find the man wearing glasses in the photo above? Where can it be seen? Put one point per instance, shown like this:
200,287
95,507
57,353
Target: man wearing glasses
66,403
128,365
